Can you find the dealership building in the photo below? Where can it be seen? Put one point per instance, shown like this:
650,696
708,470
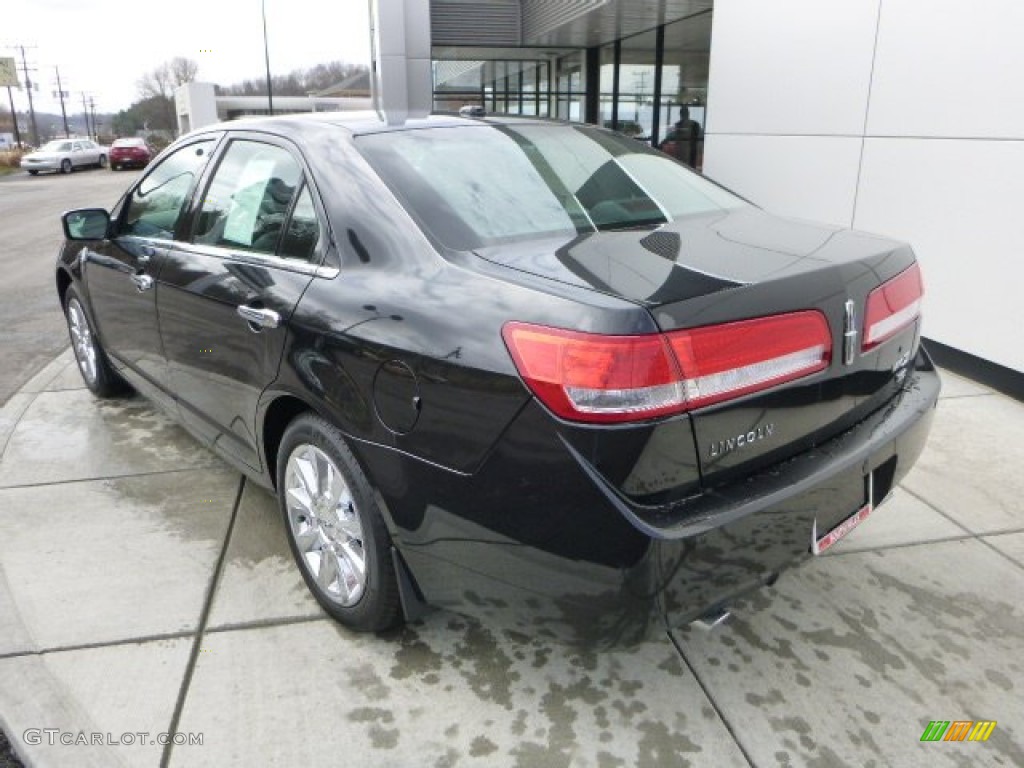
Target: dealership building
901,117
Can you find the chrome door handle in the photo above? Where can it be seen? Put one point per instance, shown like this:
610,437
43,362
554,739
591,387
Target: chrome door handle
142,282
262,318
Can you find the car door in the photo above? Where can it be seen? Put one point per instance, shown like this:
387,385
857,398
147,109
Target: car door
90,153
120,272
227,296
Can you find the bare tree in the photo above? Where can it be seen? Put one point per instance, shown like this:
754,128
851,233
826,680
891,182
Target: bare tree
160,83
182,70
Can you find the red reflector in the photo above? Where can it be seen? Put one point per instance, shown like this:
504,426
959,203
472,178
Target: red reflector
721,362
595,378
893,306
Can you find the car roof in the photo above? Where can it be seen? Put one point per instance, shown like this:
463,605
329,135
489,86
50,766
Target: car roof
367,122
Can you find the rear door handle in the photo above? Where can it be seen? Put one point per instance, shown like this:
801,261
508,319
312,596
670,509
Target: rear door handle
259,318
142,282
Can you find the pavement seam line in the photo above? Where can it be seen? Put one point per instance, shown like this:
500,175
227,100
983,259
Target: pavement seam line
980,537
100,644
204,617
994,548
124,476
711,700
931,506
283,621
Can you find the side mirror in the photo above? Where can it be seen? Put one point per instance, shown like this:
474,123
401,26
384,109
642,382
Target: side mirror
86,224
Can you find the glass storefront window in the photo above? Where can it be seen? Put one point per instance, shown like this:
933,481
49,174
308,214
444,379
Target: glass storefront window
606,109
570,92
499,86
656,93
636,86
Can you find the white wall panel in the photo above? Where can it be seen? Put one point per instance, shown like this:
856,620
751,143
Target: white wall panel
791,66
949,68
959,203
805,177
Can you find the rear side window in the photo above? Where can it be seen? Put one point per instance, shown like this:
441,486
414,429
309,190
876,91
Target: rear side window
303,232
156,204
248,201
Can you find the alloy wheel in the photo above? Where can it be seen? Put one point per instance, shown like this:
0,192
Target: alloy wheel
82,341
325,524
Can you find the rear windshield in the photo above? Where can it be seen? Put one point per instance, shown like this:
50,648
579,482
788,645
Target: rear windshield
477,186
129,143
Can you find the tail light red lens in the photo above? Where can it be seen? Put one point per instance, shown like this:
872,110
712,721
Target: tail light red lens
721,362
596,378
893,306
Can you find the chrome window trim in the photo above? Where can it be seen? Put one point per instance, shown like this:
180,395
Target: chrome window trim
260,260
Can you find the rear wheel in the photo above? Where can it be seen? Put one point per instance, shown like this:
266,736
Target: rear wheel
33,173
335,529
103,161
65,166
101,379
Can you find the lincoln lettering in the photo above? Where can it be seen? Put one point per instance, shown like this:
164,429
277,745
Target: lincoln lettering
731,444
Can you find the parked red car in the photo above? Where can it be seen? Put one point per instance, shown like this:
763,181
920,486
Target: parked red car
130,153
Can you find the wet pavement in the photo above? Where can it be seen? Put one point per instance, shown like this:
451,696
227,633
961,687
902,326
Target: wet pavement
146,588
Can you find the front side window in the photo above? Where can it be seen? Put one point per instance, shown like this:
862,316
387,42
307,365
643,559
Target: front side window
473,187
156,204
248,200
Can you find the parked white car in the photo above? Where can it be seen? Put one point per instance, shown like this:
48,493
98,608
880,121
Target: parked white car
65,155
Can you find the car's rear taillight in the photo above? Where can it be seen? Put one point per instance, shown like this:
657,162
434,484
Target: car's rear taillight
597,378
893,306
725,361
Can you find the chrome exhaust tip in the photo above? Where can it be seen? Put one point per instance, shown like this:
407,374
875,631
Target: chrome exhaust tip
712,619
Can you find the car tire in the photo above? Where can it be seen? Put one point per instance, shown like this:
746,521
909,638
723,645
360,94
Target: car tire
103,161
33,173
334,526
97,373
65,166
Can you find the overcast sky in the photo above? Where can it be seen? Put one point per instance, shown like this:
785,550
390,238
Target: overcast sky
104,46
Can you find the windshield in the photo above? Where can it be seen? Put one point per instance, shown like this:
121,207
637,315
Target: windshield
56,146
475,186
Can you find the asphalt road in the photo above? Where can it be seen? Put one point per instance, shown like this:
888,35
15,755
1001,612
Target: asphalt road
32,330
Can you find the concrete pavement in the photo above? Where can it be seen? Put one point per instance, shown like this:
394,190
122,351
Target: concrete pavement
30,208
146,588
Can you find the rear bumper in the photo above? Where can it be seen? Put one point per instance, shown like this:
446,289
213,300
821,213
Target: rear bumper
41,165
539,540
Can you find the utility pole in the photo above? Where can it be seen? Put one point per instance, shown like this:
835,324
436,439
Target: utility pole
85,115
95,128
266,56
63,112
14,118
28,90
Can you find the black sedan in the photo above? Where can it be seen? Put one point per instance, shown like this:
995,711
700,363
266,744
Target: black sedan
510,366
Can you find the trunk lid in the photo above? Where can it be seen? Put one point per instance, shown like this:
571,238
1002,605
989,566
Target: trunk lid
738,265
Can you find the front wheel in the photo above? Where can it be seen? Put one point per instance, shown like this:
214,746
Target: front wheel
335,529
101,379
33,173
103,161
65,166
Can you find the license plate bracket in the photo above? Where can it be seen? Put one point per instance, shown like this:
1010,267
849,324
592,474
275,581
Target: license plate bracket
820,544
